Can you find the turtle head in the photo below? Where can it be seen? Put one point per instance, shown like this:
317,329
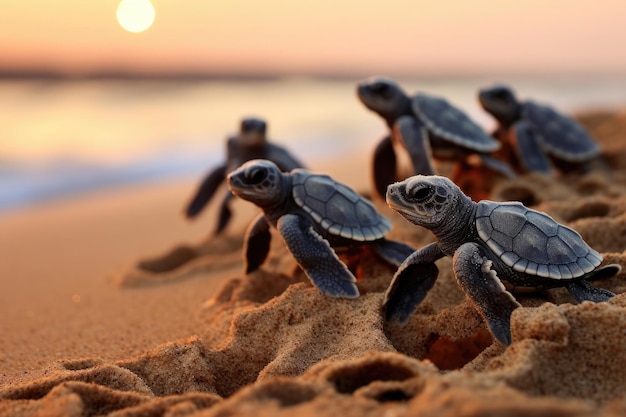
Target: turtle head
426,200
252,132
501,103
385,97
259,181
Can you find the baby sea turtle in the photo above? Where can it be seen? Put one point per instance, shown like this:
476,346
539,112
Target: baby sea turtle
314,214
491,244
250,143
423,125
535,133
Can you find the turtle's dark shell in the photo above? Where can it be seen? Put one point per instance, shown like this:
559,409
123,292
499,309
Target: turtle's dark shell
338,209
447,122
532,242
561,136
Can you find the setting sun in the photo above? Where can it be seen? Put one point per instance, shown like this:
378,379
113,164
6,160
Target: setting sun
135,15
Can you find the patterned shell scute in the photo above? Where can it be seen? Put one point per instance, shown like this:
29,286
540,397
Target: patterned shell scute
561,135
338,209
448,122
533,242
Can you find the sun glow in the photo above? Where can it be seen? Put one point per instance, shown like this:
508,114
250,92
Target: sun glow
135,15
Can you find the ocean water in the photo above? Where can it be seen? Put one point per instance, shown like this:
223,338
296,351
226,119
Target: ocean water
59,138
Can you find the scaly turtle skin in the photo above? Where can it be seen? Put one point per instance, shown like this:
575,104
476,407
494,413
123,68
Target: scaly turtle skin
313,213
537,134
425,126
494,246
250,143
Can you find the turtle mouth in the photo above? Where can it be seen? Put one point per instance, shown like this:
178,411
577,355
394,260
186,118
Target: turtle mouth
237,185
398,200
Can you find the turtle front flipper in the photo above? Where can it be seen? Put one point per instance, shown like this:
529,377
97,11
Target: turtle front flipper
411,282
393,251
206,190
528,146
412,134
224,214
485,290
384,166
317,258
256,243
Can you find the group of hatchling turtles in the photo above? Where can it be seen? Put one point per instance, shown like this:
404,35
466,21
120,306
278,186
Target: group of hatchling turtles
496,247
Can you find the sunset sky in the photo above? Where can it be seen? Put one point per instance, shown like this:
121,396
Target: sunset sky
322,36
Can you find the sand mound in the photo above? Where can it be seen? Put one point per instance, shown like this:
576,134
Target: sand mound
271,344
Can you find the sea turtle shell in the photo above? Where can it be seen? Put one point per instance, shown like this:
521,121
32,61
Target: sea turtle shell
338,209
533,242
561,136
447,122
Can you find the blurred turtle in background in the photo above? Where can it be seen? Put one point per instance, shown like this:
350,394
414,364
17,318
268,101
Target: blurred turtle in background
535,136
250,143
426,126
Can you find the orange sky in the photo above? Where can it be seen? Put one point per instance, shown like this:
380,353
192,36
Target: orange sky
334,36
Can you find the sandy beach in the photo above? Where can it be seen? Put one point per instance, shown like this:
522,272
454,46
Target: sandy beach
113,304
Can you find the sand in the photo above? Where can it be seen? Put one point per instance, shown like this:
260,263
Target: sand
112,304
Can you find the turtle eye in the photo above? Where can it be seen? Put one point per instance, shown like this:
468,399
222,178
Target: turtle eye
420,195
255,175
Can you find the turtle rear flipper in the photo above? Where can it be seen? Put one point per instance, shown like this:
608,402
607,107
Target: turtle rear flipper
256,243
317,258
411,283
393,251
497,165
485,290
206,190
529,149
384,165
581,290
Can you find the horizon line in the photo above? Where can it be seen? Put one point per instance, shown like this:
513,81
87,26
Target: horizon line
200,75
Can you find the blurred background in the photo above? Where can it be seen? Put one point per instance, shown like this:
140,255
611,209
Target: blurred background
95,94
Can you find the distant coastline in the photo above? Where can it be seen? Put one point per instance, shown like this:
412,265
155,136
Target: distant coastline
242,76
